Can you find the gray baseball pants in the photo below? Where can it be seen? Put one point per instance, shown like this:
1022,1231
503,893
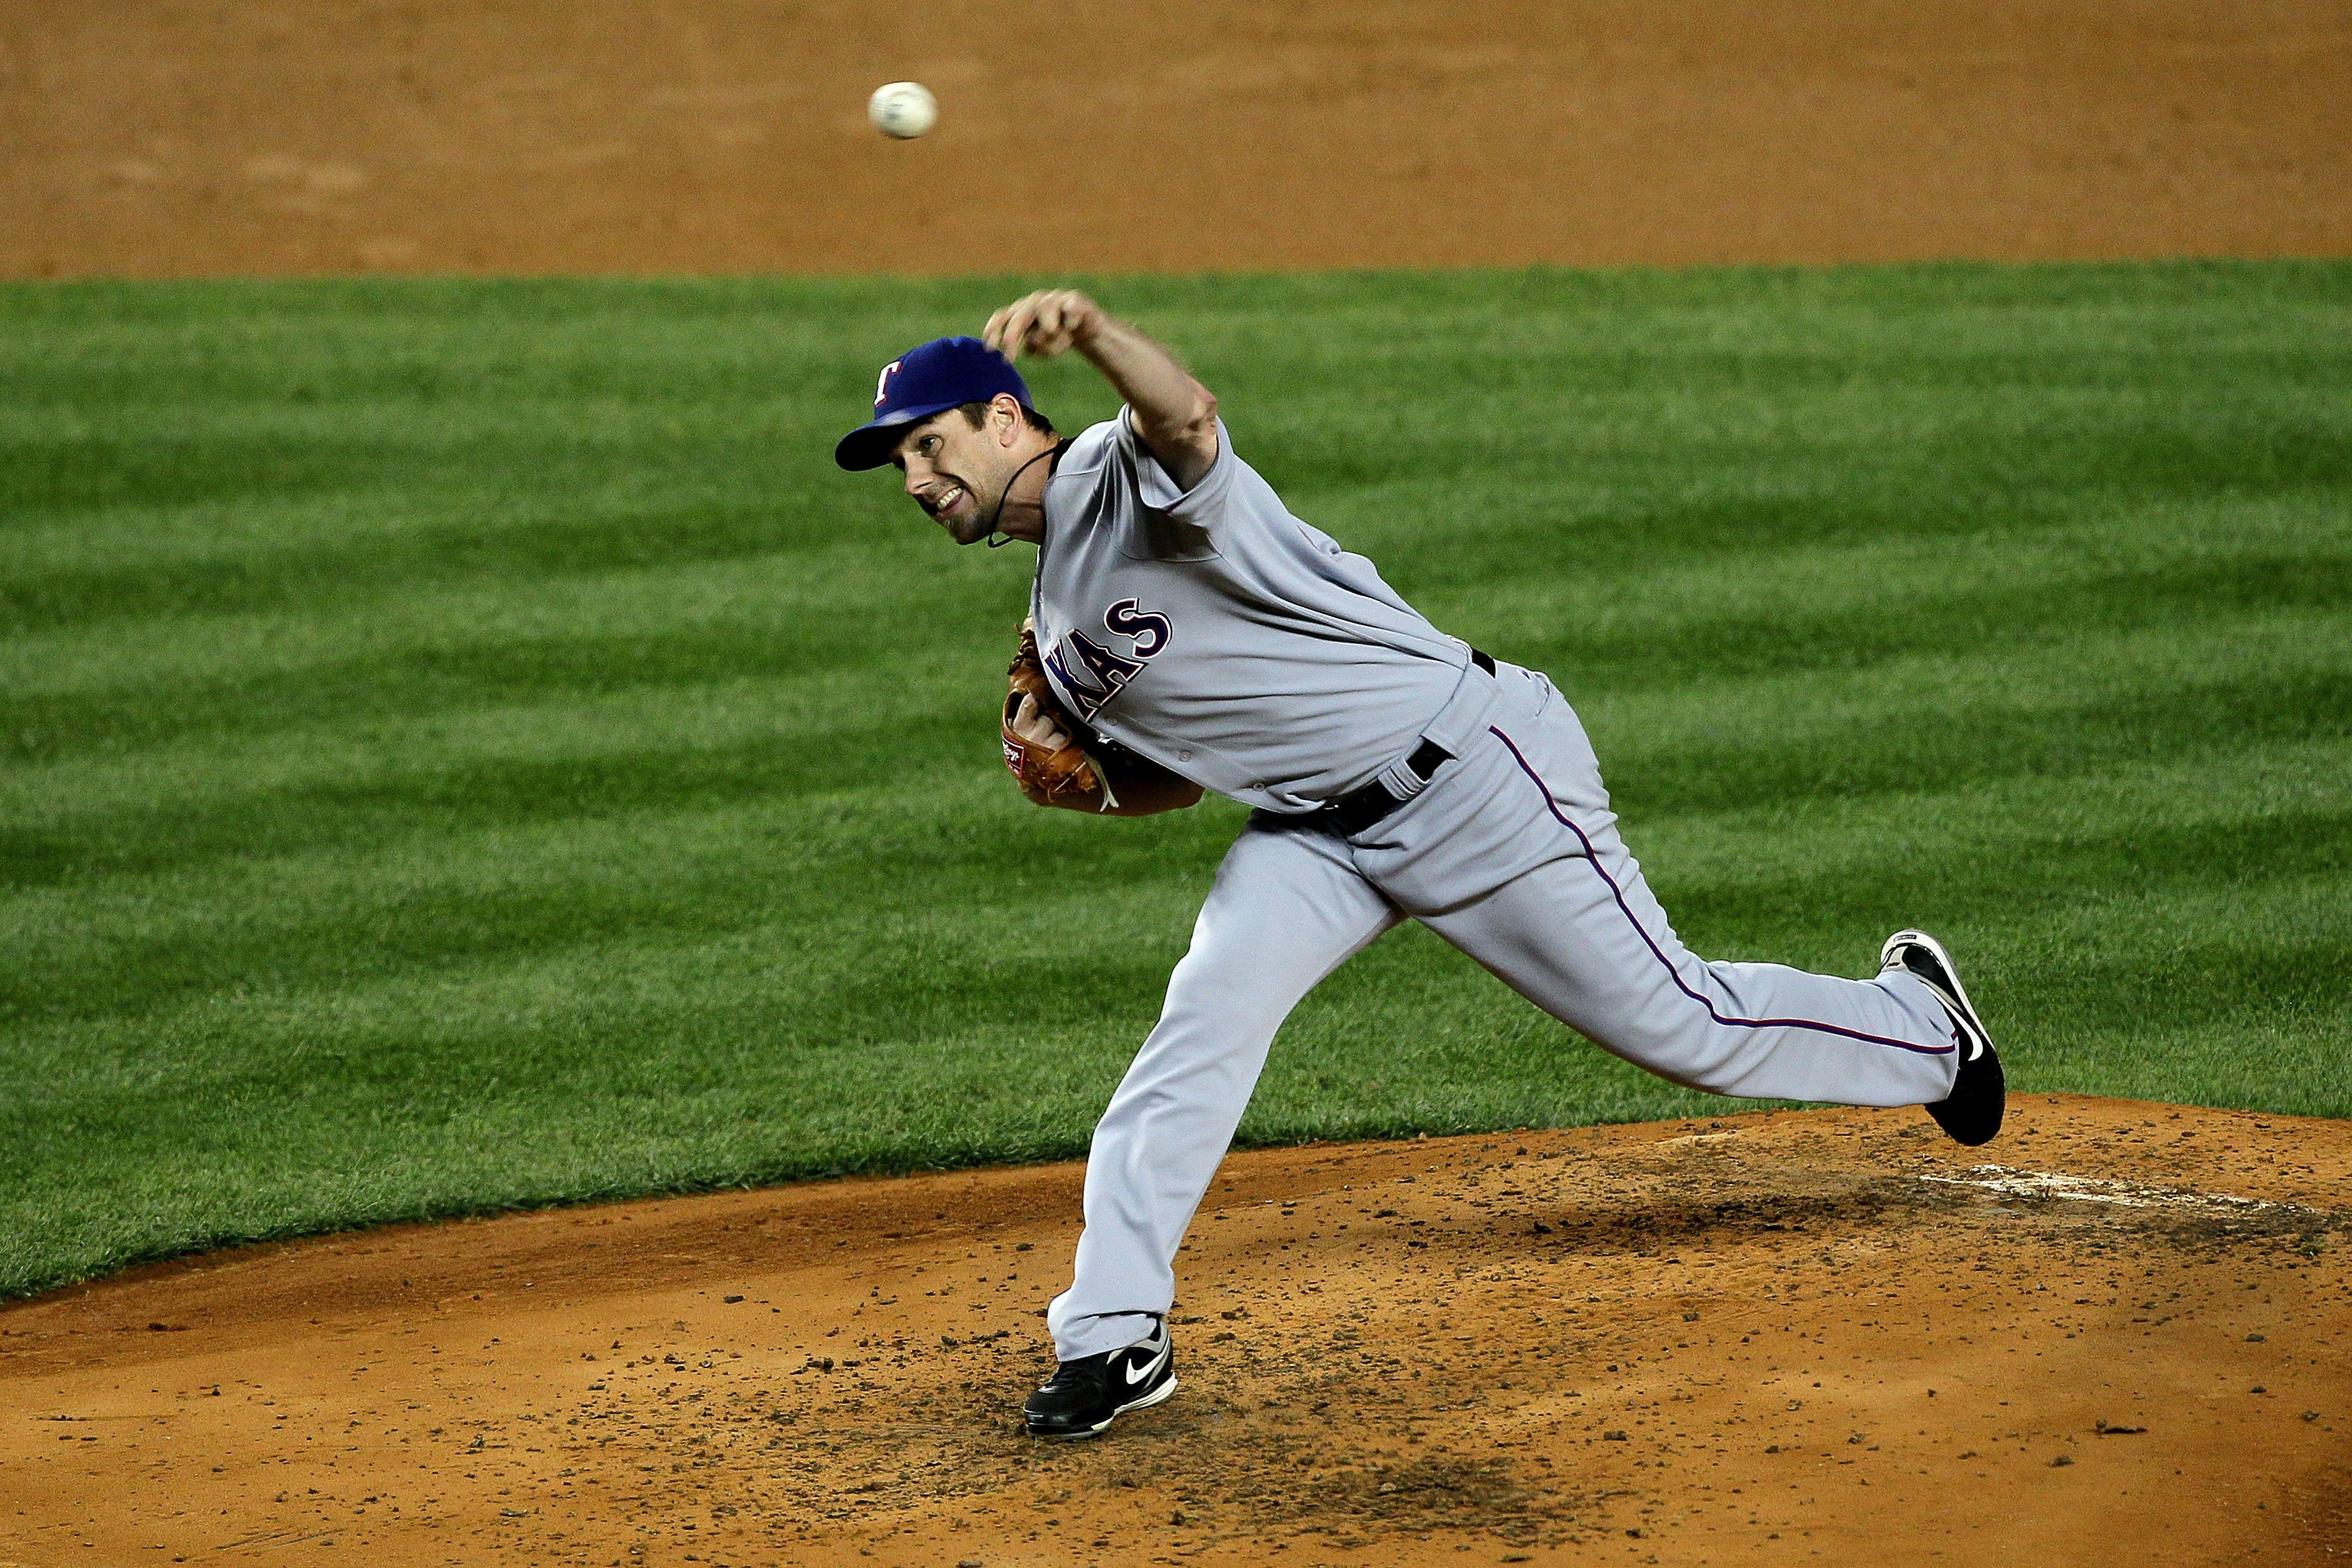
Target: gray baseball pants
1510,853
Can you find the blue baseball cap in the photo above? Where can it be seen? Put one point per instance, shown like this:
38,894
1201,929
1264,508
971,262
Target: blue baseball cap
944,373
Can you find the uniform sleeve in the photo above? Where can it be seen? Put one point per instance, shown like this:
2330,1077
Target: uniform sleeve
1200,505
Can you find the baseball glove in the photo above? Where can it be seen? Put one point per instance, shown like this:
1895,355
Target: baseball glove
1085,772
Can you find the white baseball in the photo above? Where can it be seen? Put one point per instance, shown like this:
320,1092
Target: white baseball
903,109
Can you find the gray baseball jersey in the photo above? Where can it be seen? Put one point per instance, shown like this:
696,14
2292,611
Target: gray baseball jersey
1220,636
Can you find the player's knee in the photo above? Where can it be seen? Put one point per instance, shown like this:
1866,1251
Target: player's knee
1230,982
1208,1011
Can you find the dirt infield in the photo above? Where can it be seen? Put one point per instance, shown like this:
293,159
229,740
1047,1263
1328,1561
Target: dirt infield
157,138
2121,1334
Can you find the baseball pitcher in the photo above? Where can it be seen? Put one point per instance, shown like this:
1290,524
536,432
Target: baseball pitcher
1186,632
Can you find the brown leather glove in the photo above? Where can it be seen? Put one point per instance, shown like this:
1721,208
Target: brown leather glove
1094,776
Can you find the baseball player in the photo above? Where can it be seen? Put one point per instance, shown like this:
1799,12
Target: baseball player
1190,632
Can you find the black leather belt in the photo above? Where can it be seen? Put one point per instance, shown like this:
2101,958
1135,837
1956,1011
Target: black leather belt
1358,809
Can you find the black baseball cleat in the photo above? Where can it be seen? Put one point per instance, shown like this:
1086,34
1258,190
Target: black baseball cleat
1083,1396
1971,1115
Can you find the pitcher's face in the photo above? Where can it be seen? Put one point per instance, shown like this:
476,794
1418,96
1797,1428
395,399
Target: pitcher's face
956,473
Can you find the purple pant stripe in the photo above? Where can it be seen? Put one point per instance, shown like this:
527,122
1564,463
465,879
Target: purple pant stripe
1619,895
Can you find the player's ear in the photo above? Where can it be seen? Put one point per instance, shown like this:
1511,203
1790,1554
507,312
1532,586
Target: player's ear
1004,410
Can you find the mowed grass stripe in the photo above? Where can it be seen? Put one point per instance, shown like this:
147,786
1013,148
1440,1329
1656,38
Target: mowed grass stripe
1754,611
71,575
466,738
828,591
828,865
2064,708
442,652
234,771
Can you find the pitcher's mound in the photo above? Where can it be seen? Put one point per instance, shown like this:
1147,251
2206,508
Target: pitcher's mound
2122,1332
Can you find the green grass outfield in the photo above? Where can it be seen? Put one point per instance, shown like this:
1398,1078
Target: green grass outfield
465,744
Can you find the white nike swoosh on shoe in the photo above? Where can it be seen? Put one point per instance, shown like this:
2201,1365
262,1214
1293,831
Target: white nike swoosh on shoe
1136,1375
1963,1032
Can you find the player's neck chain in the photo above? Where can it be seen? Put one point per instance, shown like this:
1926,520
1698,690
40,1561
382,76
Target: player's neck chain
1005,494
